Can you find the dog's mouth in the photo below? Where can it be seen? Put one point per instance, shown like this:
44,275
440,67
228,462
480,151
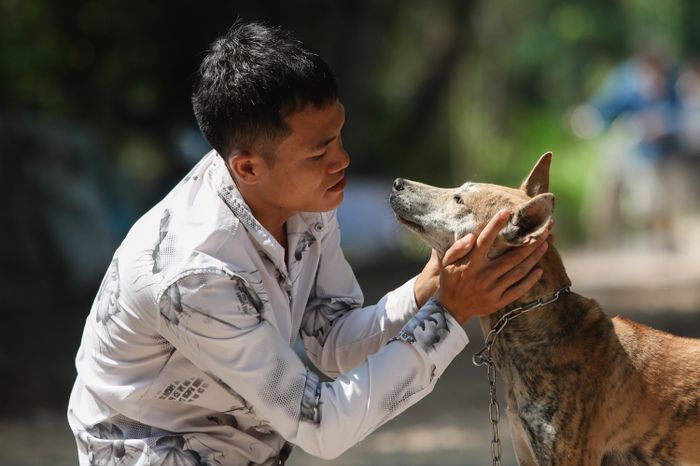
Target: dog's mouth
411,224
400,210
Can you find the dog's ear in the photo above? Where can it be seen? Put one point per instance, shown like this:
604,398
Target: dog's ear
537,182
529,220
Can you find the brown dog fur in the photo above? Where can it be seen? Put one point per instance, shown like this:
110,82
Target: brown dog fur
583,389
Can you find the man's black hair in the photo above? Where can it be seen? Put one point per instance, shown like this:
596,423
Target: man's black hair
250,79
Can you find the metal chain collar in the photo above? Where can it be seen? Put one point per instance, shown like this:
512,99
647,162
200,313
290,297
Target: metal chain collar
483,357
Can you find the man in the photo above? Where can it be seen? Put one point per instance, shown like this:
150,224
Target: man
186,356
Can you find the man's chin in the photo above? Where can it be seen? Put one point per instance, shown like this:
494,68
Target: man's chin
331,202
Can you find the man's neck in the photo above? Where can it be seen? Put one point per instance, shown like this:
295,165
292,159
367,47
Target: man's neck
272,218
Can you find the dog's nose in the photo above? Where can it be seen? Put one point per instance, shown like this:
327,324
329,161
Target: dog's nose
399,184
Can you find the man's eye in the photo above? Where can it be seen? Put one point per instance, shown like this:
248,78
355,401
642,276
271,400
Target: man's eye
318,157
458,199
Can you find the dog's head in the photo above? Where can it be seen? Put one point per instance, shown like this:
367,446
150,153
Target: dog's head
441,216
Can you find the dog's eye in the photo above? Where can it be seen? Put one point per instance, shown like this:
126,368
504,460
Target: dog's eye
458,199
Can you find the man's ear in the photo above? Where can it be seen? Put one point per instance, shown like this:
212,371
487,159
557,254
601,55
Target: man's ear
530,220
537,182
246,166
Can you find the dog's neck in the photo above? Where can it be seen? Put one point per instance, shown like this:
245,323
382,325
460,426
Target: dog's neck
553,278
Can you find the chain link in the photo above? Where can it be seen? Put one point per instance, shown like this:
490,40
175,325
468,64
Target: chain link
495,415
483,357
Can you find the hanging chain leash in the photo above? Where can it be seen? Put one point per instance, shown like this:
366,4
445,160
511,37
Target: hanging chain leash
483,357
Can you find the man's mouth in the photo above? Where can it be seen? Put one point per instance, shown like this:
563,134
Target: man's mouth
339,186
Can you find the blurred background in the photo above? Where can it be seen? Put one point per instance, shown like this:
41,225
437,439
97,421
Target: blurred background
96,126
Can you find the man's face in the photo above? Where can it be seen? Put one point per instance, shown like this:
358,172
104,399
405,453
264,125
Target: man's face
309,169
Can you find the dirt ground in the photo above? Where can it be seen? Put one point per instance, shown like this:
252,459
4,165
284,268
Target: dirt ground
450,426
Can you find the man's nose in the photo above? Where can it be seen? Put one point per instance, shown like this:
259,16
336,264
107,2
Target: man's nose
342,161
399,184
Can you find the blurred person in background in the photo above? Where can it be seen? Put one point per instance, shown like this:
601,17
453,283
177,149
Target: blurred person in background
186,355
686,172
638,102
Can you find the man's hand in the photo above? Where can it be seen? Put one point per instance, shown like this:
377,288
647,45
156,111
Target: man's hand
428,280
471,284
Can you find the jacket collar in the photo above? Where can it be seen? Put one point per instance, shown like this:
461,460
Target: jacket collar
226,189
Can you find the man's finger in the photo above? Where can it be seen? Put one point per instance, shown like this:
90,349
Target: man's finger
459,249
519,289
515,256
521,270
490,232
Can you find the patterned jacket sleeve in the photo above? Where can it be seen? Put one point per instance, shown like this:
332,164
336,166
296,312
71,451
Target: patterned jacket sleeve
212,320
338,333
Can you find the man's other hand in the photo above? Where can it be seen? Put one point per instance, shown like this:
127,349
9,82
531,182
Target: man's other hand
471,284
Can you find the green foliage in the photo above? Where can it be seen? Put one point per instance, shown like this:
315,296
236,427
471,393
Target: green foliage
442,91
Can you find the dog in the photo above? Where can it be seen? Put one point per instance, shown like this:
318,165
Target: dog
583,389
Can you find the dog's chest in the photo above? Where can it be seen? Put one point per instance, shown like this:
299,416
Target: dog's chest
536,393
532,427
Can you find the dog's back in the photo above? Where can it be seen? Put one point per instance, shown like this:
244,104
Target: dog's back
653,398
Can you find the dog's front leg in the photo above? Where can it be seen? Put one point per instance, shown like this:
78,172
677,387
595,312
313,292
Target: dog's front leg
523,453
541,443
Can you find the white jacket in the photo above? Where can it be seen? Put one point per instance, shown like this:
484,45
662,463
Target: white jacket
187,358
